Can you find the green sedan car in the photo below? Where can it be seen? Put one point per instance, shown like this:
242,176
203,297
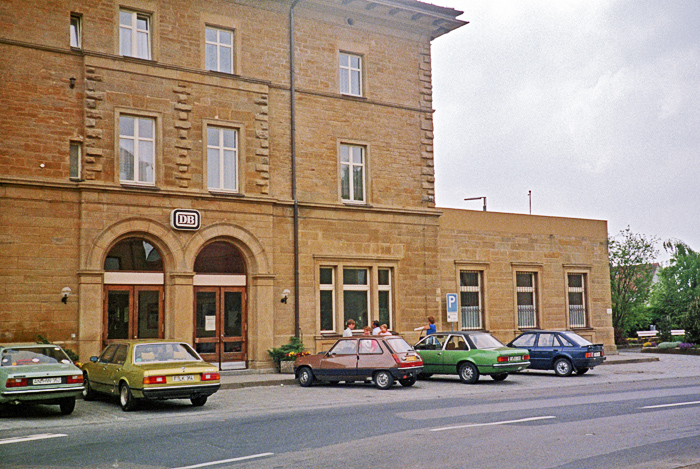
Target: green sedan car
38,374
469,355
138,370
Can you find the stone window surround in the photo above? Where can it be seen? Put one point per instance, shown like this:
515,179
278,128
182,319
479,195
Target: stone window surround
224,23
342,69
366,173
531,268
221,48
157,150
584,270
240,128
482,268
145,7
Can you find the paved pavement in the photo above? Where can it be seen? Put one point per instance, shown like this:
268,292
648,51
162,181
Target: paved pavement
236,379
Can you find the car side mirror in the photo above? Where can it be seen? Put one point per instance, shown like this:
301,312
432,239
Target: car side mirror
330,354
94,359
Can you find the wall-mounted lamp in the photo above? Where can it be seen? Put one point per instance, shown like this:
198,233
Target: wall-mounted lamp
72,82
65,293
479,198
285,296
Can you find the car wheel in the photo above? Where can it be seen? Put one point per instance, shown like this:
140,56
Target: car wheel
306,377
383,379
88,393
423,376
468,373
199,401
499,376
67,405
408,382
582,370
562,367
126,399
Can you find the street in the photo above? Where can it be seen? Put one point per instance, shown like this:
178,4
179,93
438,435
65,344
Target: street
617,416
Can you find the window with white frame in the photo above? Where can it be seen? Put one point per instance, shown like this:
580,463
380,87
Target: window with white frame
137,149
470,298
222,158
384,296
75,31
134,34
350,69
525,284
327,298
577,299
352,173
219,49
75,157
356,296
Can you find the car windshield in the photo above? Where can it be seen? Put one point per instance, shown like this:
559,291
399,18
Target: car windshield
21,356
484,341
398,345
576,339
155,353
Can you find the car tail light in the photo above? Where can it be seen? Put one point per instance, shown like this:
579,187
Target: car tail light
16,382
404,364
154,380
75,379
210,376
526,357
502,359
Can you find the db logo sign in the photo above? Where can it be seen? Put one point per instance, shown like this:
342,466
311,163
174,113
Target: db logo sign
181,219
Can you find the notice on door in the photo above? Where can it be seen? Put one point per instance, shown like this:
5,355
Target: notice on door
210,324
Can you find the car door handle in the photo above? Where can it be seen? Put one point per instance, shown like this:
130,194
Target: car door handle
555,350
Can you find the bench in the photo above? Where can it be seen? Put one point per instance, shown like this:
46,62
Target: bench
677,331
647,333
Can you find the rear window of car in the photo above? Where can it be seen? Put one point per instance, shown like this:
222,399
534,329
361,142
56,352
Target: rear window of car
163,353
33,356
576,339
525,340
398,345
485,341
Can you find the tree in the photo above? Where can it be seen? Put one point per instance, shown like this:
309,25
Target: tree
676,297
631,257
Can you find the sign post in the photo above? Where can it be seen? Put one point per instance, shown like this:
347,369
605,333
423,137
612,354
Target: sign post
452,309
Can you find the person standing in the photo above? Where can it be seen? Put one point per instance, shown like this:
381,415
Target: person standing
430,327
375,325
350,325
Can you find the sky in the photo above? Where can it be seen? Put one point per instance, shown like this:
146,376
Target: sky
592,105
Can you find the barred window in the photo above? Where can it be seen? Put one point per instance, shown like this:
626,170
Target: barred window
471,299
577,300
525,284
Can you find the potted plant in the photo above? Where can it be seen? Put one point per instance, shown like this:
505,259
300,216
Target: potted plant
285,355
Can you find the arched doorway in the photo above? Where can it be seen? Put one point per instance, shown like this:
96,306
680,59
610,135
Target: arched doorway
220,303
133,283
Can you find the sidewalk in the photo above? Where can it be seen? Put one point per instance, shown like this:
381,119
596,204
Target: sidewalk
236,379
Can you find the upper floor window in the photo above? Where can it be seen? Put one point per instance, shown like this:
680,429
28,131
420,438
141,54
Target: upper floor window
134,34
526,283
75,31
219,50
577,299
222,158
352,173
470,298
137,149
75,158
350,69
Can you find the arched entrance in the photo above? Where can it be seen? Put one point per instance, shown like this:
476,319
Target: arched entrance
220,310
133,283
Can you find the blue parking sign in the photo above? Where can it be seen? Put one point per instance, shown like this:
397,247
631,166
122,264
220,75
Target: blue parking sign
452,307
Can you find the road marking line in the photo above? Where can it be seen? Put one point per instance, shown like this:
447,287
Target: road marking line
42,436
670,405
530,419
225,461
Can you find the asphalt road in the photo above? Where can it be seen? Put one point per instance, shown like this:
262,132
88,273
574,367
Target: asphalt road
639,415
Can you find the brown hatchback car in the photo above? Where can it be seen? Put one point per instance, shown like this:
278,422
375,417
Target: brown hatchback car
383,359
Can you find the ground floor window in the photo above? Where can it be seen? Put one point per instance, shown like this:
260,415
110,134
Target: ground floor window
470,283
577,299
526,284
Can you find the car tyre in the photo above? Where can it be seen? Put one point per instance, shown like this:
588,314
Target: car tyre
468,373
423,376
383,379
499,376
67,405
199,401
408,382
306,377
88,393
562,367
126,399
582,370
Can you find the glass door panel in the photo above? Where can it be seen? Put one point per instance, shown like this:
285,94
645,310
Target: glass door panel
118,314
206,341
149,314
133,312
233,325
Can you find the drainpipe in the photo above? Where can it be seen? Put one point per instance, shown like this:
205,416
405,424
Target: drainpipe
292,97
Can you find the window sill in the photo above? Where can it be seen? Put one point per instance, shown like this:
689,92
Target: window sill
135,185
350,203
223,193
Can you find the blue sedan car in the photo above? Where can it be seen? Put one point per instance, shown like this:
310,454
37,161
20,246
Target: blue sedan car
562,351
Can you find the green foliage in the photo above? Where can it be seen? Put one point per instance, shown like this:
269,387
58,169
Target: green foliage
278,354
71,354
664,345
675,300
632,269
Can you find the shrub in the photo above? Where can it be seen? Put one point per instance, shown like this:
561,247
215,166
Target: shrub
665,345
288,351
71,354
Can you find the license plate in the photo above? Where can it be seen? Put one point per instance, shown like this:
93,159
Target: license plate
177,379
515,359
596,354
410,358
46,381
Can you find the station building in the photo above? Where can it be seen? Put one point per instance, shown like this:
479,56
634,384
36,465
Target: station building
231,173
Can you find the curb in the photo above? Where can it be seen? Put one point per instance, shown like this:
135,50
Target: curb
624,361
258,383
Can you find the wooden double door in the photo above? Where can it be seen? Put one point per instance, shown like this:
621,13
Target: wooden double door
133,312
220,323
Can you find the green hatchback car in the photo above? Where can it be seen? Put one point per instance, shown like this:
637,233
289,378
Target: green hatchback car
38,374
469,355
